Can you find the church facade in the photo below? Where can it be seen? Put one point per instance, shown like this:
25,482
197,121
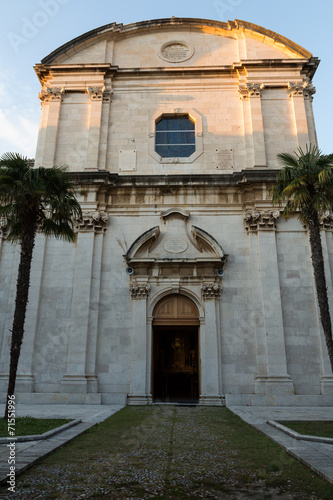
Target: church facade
185,284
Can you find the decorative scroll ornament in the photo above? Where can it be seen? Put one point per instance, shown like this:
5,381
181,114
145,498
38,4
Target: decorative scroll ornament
139,291
256,221
93,221
51,94
251,90
326,220
305,89
211,291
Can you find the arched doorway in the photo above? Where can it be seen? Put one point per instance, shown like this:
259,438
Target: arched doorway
175,375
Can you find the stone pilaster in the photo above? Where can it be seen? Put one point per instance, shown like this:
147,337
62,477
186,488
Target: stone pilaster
97,95
253,124
247,127
308,98
80,371
25,372
139,392
326,382
104,133
9,267
51,104
299,92
210,347
92,382
255,321
272,373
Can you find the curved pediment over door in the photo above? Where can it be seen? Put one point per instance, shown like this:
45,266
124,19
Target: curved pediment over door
176,249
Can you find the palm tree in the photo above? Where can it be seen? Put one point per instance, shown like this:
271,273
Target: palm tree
305,184
31,200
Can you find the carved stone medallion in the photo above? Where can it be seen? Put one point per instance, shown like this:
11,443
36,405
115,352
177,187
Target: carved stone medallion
176,52
175,245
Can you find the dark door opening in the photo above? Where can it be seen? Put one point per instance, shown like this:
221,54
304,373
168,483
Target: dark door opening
176,364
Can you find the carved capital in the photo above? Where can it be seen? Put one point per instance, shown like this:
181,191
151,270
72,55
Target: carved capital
107,94
51,94
99,94
139,291
251,90
326,220
255,89
92,221
305,89
243,92
258,221
95,93
309,91
211,291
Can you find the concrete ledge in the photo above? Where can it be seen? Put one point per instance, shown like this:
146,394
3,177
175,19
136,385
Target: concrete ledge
40,398
278,400
296,435
38,437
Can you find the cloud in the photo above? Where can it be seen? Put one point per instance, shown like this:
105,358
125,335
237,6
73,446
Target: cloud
19,115
18,133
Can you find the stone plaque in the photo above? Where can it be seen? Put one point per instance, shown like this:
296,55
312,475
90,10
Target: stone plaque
175,245
127,160
176,52
224,159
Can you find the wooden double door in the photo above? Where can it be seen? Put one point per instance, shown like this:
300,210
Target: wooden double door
175,350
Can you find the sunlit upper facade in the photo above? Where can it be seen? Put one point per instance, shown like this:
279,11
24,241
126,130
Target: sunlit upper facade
246,89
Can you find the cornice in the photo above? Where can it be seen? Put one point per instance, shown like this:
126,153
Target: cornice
45,72
233,179
228,28
234,71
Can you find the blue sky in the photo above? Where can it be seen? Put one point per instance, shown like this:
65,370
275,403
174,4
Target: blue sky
29,30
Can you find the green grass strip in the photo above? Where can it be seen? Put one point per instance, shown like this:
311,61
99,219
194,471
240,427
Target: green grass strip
26,426
313,428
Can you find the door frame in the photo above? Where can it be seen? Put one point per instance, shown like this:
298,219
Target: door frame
180,311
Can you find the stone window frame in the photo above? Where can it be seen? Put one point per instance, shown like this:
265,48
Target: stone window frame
195,117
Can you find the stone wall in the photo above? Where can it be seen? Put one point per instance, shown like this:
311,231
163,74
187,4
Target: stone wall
201,226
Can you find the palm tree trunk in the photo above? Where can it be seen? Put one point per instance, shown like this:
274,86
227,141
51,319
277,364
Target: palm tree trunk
320,281
21,302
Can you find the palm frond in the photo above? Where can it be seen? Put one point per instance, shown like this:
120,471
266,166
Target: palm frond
325,175
288,159
62,230
305,183
41,195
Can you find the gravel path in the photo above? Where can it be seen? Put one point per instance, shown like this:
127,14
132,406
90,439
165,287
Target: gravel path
170,454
